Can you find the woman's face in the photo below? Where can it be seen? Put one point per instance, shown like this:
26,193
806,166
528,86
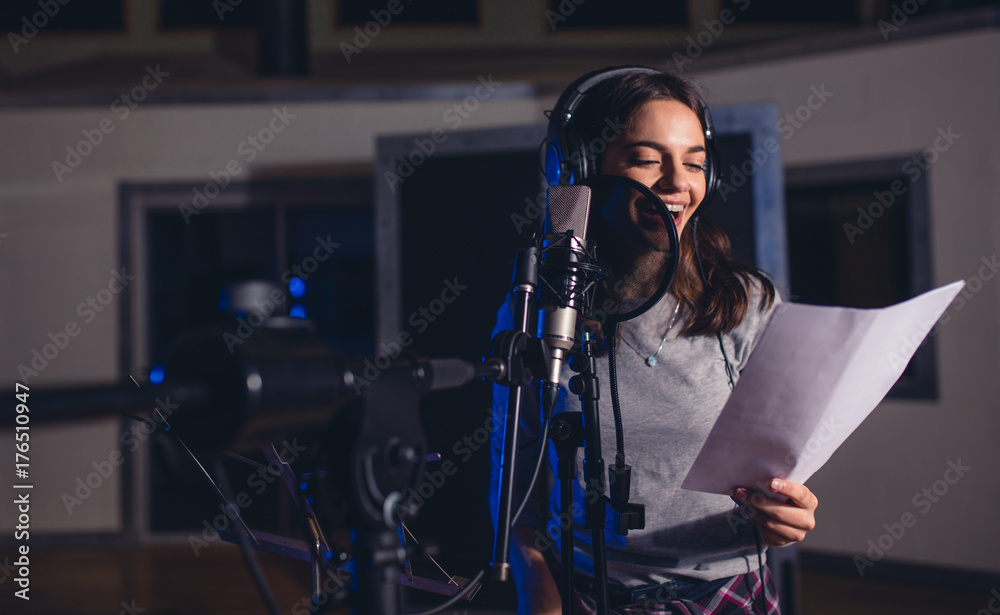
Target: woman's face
663,148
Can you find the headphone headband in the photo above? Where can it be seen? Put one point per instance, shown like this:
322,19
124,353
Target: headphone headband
568,158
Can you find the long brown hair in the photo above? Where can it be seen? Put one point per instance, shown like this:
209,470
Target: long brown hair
711,286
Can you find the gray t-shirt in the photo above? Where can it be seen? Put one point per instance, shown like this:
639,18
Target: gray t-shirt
667,413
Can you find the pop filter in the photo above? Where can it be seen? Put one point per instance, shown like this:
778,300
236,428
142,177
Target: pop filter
637,246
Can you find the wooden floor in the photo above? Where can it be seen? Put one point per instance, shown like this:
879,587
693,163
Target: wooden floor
171,580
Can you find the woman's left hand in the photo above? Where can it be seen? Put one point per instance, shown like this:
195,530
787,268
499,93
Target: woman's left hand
780,523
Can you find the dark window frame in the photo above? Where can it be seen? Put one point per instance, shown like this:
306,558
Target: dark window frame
341,20
166,13
48,29
922,382
557,8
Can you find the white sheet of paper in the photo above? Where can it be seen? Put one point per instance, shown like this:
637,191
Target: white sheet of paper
816,374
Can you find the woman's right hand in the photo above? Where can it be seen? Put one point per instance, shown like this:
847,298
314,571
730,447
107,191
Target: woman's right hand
537,593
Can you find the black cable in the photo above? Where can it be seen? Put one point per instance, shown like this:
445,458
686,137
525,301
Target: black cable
730,374
730,370
616,408
534,476
253,566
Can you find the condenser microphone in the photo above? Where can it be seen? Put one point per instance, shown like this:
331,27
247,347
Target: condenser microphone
567,275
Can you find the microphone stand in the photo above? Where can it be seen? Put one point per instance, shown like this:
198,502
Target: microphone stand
570,431
512,347
593,469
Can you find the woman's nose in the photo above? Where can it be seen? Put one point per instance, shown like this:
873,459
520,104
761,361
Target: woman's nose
673,180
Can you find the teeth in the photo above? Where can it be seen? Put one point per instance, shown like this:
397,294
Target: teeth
675,208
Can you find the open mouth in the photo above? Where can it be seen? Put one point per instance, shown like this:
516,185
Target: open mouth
650,210
675,212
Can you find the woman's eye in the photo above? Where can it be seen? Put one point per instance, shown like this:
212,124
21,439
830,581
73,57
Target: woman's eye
645,163
700,168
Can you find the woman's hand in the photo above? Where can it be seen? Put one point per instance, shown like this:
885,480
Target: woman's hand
780,522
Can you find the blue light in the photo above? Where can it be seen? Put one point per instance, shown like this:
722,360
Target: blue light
297,287
329,555
297,311
224,300
303,485
309,500
156,374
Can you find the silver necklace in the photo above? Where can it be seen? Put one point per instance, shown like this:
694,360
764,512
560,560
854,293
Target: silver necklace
651,359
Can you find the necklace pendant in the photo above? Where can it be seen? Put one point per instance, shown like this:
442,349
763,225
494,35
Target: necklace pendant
651,361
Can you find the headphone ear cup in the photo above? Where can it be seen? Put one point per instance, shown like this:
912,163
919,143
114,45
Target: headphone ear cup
567,160
711,157
580,157
711,174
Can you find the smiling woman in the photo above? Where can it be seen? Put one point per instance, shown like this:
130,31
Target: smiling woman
675,367
664,148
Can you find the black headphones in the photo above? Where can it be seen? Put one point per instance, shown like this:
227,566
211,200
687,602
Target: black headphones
569,157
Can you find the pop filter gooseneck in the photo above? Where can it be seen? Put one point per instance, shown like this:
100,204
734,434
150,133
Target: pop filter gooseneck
638,247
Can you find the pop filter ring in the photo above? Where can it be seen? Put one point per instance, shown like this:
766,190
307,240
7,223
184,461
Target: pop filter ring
600,181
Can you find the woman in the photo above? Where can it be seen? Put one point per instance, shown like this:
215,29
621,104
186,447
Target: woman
699,553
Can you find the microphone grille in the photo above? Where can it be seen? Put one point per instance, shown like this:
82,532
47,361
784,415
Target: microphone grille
569,208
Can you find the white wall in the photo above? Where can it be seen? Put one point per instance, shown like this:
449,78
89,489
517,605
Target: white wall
62,246
890,100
